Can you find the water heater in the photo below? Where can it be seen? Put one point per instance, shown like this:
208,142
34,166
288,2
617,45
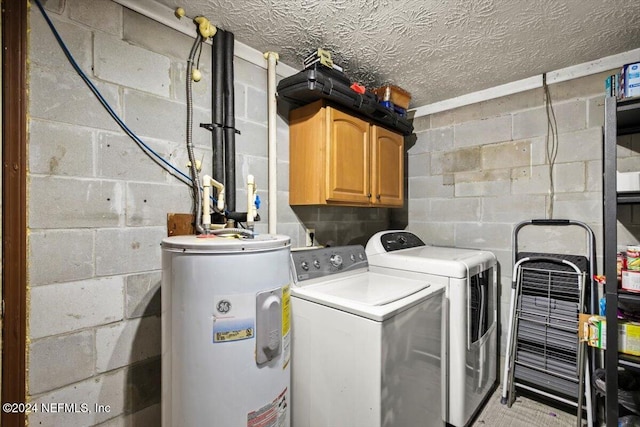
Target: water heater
225,331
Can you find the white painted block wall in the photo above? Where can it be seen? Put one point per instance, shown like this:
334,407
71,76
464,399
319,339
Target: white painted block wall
97,205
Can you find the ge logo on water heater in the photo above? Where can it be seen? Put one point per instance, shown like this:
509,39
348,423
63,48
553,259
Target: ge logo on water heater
223,306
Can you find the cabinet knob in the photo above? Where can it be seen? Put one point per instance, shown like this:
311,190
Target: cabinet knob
378,196
369,195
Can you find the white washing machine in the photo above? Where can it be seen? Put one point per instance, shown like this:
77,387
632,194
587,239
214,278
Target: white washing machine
470,279
366,347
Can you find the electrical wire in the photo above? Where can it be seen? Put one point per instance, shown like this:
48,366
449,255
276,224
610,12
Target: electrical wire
551,143
172,170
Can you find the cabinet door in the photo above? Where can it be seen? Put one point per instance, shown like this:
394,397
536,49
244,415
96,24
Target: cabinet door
347,166
387,167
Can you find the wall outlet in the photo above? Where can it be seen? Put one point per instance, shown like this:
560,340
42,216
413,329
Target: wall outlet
310,237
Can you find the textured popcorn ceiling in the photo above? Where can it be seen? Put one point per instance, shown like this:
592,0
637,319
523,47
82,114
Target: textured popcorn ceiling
434,49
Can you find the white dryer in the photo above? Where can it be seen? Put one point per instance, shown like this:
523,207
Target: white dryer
366,347
470,279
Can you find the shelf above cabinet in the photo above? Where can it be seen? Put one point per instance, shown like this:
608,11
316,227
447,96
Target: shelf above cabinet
628,116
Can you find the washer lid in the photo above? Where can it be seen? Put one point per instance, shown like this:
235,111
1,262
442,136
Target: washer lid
438,260
373,295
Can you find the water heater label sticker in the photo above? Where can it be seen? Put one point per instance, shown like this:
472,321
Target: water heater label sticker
273,414
286,309
233,318
286,325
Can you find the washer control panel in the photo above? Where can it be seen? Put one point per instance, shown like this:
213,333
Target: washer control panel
322,262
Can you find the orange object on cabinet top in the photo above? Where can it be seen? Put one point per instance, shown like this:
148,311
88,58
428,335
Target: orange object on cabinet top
398,96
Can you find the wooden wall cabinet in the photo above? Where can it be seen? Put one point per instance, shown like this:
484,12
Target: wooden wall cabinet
339,159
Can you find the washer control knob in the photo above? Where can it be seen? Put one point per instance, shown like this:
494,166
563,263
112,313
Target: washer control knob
361,255
336,260
352,257
304,265
316,263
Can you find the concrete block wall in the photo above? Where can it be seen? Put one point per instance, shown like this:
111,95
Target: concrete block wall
98,204
476,171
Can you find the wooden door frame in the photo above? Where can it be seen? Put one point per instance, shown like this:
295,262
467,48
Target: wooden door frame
14,206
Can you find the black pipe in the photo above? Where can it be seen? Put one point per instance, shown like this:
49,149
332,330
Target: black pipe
217,59
229,125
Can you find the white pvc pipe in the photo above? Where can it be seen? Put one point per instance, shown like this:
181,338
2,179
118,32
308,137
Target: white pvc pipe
251,203
272,59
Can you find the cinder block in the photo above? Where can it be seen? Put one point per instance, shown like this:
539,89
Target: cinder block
580,145
76,104
295,231
145,115
143,295
148,204
513,208
506,155
55,6
482,188
200,91
628,164
482,176
60,256
110,389
119,157
67,307
570,116
59,149
418,210
240,100
282,176
103,15
421,123
127,342
437,162
454,210
536,183
253,141
57,361
433,233
156,37
595,111
480,132
149,416
585,207
429,186
73,203
249,74
486,236
559,240
128,250
256,166
257,105
487,109
569,177
127,65
282,137
45,51
439,139
465,159
419,165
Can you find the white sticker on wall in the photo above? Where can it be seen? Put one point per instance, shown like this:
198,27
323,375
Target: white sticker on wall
233,318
